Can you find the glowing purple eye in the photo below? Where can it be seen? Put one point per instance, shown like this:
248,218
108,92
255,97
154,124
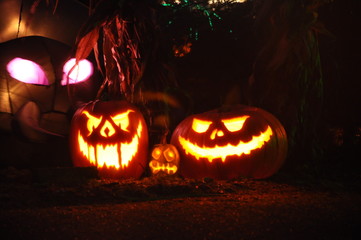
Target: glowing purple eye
27,71
81,72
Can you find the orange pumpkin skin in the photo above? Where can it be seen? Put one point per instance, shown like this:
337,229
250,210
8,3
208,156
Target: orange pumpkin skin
111,135
231,142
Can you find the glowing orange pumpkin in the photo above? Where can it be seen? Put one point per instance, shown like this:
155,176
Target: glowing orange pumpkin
165,158
230,142
112,136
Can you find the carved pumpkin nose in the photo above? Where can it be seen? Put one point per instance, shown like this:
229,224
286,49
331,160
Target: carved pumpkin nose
107,129
216,132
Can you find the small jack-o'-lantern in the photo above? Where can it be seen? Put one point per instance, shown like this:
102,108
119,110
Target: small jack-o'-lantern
230,142
112,136
165,158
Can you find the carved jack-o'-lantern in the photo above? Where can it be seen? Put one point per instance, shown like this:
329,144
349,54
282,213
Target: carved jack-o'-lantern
229,143
165,158
35,107
34,89
112,136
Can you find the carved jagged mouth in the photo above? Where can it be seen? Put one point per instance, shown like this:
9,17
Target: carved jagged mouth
223,152
156,166
110,155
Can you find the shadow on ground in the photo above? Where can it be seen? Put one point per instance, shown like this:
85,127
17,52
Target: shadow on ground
68,203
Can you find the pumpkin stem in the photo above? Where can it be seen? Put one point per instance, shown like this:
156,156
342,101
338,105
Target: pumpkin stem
163,139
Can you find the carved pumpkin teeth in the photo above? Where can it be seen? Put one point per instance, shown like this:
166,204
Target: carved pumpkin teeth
107,155
167,167
129,150
228,150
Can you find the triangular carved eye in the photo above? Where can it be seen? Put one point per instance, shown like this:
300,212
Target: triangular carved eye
122,120
235,124
93,122
200,126
27,71
75,73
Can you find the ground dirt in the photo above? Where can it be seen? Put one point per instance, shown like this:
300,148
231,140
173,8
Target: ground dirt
68,203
